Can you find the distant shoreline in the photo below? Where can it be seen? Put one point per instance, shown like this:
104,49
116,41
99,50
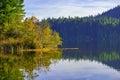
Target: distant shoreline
69,48
47,49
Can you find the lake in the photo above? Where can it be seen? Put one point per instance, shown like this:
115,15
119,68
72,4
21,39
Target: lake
61,65
75,65
83,67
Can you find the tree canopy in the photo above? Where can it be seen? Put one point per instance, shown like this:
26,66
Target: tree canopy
17,33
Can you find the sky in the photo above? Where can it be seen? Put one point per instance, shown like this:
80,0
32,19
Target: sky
64,8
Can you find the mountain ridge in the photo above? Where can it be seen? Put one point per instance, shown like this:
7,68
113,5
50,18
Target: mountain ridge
114,13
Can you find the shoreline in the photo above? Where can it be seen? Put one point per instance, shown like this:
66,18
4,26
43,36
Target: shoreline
47,49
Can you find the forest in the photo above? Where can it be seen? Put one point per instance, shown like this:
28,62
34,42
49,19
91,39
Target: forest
92,32
17,34
40,49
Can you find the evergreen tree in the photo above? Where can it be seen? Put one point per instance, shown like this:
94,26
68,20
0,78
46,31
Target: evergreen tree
11,16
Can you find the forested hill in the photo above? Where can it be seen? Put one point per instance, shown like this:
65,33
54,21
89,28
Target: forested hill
89,32
115,13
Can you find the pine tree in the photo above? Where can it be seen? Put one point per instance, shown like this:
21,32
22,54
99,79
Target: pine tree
11,16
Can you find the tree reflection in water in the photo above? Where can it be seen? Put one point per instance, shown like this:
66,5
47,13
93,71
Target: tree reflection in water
25,66
19,66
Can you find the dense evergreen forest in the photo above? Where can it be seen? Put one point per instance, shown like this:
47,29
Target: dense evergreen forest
17,34
114,12
93,32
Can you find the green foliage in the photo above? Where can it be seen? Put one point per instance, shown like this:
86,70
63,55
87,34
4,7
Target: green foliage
56,40
109,21
49,38
87,31
16,34
11,16
11,12
40,36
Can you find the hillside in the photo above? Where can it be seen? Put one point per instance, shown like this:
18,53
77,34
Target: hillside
114,13
89,32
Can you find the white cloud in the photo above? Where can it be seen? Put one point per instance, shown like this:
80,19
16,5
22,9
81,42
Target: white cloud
57,8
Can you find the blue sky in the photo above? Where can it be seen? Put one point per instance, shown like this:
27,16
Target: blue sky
58,8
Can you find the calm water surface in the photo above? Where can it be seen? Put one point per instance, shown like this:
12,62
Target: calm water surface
61,65
80,70
77,65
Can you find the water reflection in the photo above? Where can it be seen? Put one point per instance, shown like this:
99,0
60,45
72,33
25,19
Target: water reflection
61,65
21,66
80,70
111,59
81,65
